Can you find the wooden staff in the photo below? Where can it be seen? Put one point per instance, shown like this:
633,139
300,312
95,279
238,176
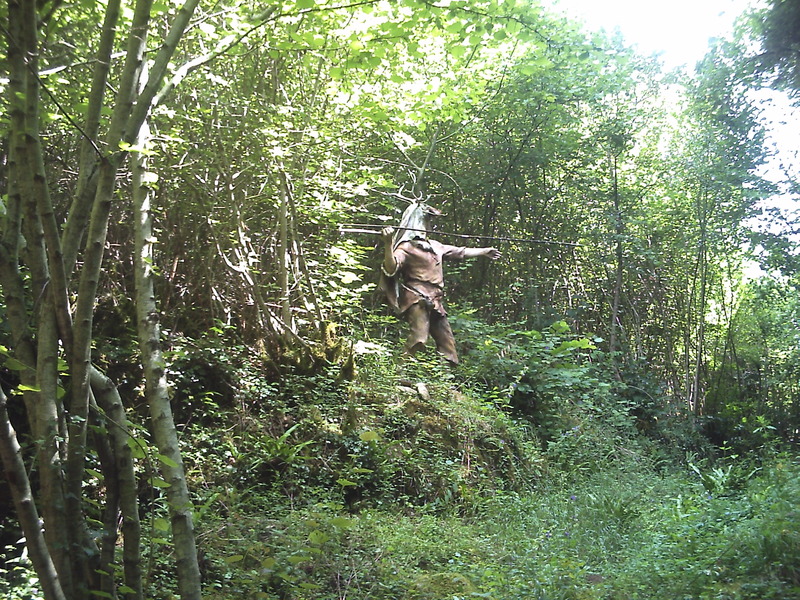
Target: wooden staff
376,230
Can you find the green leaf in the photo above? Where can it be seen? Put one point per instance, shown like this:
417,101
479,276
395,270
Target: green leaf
161,524
304,4
345,482
126,147
28,388
378,114
167,461
95,473
136,449
458,50
158,482
369,436
15,365
342,522
234,559
582,343
318,537
159,8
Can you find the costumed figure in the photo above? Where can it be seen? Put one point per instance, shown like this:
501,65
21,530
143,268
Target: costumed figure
413,278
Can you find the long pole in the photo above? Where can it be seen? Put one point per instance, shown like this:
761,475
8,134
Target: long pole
376,230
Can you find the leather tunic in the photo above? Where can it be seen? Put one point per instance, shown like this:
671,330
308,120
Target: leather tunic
420,263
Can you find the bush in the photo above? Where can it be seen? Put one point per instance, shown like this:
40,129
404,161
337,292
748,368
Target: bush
18,580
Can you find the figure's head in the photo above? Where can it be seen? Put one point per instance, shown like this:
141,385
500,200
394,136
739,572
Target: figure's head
415,222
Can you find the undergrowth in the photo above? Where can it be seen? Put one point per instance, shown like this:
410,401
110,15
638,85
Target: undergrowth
525,473
613,535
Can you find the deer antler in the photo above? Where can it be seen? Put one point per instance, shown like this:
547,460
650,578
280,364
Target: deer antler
401,196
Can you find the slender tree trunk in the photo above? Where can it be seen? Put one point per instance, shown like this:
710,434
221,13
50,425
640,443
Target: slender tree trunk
616,293
110,402
156,390
108,541
63,519
27,181
91,153
619,269
28,516
98,222
13,282
283,251
696,389
699,359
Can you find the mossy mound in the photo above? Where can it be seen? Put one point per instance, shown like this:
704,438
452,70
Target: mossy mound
374,439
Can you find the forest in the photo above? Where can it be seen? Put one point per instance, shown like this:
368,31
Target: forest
203,393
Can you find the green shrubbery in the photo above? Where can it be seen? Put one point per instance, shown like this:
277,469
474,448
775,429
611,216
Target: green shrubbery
522,474
633,535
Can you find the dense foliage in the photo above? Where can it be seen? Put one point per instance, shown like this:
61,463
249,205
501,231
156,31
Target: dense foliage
177,258
547,481
778,28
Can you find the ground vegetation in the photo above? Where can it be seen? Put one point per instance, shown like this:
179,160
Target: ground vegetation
202,394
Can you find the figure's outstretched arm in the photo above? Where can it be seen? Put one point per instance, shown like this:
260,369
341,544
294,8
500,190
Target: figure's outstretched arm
492,253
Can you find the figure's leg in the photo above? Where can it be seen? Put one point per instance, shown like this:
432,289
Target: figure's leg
443,334
419,320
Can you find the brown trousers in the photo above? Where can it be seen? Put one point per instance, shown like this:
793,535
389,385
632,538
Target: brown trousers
424,321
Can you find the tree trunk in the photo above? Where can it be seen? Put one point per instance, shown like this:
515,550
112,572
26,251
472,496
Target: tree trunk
110,402
696,386
90,152
27,181
283,251
619,269
21,493
110,518
156,390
